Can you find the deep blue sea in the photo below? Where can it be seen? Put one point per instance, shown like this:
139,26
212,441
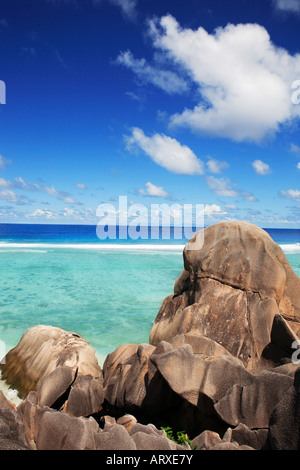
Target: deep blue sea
107,291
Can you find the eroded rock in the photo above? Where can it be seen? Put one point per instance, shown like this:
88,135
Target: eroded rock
40,351
238,289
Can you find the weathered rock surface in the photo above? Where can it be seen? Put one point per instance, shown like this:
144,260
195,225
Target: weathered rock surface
49,429
206,440
77,395
238,289
197,391
252,404
58,431
12,429
256,439
40,351
218,367
284,423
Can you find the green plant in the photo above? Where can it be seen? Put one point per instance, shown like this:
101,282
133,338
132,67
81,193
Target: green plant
181,437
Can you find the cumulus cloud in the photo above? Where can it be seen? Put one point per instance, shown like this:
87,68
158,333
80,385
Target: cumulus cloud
70,200
45,213
166,152
5,183
261,168
215,166
244,80
212,210
152,190
8,195
291,194
167,80
222,187
67,213
51,190
20,183
62,195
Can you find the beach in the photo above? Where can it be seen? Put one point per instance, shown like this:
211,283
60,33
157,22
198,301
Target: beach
109,292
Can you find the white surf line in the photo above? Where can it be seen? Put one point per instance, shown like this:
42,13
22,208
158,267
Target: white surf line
287,248
88,246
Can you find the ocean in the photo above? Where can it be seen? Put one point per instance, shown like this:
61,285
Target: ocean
107,291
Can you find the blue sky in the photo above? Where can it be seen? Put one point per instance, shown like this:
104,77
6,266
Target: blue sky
169,101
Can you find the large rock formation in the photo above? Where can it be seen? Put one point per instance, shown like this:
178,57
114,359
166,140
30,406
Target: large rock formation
219,365
238,289
40,351
183,383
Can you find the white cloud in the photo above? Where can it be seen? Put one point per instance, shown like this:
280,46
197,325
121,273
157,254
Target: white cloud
70,213
220,187
21,182
81,186
166,152
248,196
152,190
287,5
5,183
8,195
295,149
41,213
69,200
291,194
212,210
244,80
51,190
215,166
28,186
86,214
62,195
128,7
298,166
167,80
3,162
261,168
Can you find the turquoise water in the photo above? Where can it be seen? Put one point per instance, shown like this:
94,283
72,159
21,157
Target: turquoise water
109,295
108,298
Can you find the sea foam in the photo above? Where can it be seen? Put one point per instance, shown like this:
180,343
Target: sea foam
91,246
292,248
